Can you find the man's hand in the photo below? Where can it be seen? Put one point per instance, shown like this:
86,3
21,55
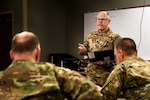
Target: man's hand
102,63
99,88
81,48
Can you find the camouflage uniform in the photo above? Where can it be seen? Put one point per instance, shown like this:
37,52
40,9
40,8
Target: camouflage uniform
83,63
99,41
130,79
26,80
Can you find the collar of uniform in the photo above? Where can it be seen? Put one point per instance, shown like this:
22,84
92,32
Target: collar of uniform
105,31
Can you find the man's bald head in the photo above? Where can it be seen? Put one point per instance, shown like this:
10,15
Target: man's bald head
24,42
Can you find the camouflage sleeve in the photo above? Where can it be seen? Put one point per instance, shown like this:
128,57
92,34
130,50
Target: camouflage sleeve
86,44
109,64
117,37
82,63
114,84
76,86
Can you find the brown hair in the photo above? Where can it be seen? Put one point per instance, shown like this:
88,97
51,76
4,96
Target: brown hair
24,42
127,45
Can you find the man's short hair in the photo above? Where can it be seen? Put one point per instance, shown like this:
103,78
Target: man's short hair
24,42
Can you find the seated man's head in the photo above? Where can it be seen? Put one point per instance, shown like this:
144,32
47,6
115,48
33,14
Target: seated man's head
25,46
124,48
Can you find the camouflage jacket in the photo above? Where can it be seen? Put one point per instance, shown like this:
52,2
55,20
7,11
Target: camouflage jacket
130,79
99,41
26,80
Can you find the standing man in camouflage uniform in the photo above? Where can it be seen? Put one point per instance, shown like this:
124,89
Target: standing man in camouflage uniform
130,78
102,39
27,79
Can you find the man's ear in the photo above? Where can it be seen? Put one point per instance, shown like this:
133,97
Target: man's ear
11,55
121,53
38,53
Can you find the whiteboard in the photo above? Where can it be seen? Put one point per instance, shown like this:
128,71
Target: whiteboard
132,22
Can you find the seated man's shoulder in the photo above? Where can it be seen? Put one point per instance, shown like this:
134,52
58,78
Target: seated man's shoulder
45,64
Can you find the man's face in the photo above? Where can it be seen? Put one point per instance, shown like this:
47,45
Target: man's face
102,21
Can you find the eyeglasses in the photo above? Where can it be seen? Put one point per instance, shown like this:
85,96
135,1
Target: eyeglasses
101,19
